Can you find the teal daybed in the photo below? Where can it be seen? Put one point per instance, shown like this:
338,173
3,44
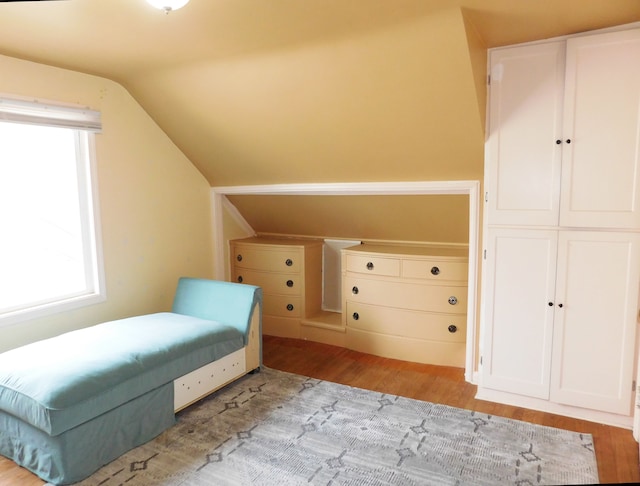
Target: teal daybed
70,404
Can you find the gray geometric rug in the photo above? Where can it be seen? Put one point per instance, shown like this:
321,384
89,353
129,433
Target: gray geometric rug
277,428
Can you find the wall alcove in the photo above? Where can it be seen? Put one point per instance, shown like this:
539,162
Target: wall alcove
446,199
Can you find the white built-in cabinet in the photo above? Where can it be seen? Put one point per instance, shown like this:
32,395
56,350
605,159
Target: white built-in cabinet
561,262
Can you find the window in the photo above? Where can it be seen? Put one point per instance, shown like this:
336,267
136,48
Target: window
50,257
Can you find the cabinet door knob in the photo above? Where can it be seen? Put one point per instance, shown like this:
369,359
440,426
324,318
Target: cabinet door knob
289,283
453,300
240,278
560,305
435,271
568,140
558,142
288,262
452,328
356,316
355,290
289,307
550,304
239,258
370,266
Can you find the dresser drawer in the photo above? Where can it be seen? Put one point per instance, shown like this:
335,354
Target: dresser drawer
435,270
373,265
268,259
406,323
282,305
435,298
273,283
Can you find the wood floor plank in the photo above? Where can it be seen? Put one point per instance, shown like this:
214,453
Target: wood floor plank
616,450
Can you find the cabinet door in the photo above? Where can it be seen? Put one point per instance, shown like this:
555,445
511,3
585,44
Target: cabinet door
518,320
601,163
594,330
525,121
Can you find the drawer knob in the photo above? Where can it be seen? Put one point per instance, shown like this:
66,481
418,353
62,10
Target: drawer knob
370,266
453,300
355,290
289,307
240,279
289,283
239,258
452,328
288,262
435,271
356,316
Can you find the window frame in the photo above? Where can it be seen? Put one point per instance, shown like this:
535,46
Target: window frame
86,170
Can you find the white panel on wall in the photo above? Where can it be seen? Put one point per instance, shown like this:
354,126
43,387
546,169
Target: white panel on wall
332,274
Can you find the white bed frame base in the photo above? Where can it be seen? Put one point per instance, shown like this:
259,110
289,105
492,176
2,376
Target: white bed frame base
196,385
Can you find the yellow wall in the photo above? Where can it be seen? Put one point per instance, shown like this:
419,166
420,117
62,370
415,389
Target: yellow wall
155,206
397,103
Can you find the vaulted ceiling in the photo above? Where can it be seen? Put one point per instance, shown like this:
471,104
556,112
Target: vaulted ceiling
287,91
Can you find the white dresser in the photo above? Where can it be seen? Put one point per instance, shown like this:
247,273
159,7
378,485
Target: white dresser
289,271
406,302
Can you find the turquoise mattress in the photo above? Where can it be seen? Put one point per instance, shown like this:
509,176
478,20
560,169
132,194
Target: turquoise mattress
59,383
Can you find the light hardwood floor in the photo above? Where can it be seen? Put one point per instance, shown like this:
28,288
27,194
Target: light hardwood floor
616,450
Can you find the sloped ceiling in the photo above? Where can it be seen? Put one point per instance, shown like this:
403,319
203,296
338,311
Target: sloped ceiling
289,91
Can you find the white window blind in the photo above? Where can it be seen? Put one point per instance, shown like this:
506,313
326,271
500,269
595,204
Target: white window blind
35,112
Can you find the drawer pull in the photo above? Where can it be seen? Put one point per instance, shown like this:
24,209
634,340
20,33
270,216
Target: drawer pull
288,262
435,271
370,266
453,300
240,279
289,307
355,290
239,258
452,328
356,316
289,283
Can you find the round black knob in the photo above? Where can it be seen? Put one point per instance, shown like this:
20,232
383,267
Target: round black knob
289,283
568,140
560,305
239,258
356,316
435,271
240,279
452,328
355,290
550,304
288,262
369,266
289,307
558,142
453,300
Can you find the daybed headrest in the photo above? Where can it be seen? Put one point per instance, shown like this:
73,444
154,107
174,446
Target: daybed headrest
226,302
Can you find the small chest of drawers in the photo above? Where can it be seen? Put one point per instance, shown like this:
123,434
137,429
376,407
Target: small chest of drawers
289,271
406,302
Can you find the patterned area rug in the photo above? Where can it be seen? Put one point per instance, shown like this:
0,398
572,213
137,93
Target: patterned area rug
276,428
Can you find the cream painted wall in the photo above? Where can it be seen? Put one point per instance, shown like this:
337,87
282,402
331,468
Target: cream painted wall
155,206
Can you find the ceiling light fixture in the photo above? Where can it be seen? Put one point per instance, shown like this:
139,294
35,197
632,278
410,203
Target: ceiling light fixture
168,5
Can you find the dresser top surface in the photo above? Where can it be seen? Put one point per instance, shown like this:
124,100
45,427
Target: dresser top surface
261,240
410,250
